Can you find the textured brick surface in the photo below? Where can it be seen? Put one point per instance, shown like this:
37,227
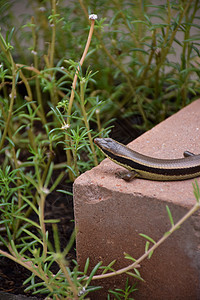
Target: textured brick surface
110,213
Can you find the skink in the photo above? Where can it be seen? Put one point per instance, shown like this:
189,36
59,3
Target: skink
146,167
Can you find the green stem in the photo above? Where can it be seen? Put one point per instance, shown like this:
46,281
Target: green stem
29,98
46,169
19,197
186,53
131,31
68,277
98,120
36,66
78,69
146,69
82,88
103,47
41,204
167,46
6,50
74,153
53,36
67,138
10,110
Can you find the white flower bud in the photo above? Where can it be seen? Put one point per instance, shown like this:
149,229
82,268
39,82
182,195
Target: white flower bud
93,17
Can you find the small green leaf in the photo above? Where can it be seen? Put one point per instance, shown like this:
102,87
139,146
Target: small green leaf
170,216
127,256
33,236
150,254
87,263
148,238
108,268
93,272
28,221
135,275
196,191
147,246
52,221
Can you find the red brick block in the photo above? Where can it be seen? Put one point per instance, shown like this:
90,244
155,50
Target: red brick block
110,213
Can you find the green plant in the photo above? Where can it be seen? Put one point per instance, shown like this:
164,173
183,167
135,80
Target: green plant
139,46
123,294
132,48
53,106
